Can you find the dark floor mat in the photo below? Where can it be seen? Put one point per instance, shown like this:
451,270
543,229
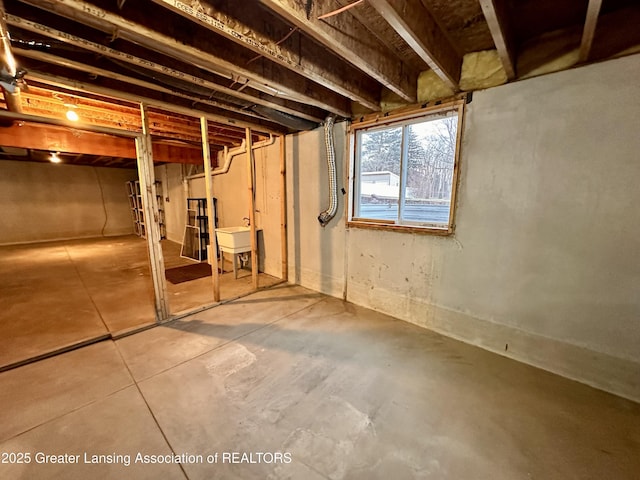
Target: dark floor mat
188,272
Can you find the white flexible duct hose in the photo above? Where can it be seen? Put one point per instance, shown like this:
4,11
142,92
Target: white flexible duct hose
325,217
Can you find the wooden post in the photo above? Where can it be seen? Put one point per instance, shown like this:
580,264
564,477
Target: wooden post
151,215
211,212
252,210
456,166
589,31
283,209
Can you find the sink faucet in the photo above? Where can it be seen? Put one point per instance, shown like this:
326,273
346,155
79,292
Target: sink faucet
246,219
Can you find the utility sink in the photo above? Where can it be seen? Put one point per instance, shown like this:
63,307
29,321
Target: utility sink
234,239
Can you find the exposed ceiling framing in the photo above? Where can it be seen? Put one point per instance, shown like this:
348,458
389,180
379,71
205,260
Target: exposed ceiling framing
497,16
415,24
284,65
593,12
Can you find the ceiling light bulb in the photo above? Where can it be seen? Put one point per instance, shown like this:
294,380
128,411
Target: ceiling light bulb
72,115
54,158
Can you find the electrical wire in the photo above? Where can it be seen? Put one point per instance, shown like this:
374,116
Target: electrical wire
293,30
104,206
340,10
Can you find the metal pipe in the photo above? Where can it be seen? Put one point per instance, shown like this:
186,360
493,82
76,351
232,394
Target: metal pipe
325,217
230,154
9,73
252,208
12,99
9,61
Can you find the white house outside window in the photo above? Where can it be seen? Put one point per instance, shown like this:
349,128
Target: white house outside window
404,172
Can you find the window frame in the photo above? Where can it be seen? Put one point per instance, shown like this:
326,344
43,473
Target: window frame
401,119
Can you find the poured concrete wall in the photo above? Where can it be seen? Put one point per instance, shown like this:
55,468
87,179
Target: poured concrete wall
174,200
268,208
41,202
544,265
316,253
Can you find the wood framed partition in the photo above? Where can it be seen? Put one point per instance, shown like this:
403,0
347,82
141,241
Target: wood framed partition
144,156
141,142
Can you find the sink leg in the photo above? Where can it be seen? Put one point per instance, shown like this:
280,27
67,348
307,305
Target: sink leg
235,266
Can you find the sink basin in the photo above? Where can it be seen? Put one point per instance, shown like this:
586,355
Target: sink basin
234,239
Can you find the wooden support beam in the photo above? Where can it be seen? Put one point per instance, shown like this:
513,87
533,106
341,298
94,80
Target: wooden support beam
415,24
302,56
186,46
283,210
165,153
496,14
151,212
350,40
208,186
69,140
590,23
65,140
252,209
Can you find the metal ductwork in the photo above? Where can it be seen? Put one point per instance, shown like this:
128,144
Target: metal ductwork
283,118
325,217
9,72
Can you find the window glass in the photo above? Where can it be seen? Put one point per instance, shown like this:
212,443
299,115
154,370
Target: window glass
380,158
404,173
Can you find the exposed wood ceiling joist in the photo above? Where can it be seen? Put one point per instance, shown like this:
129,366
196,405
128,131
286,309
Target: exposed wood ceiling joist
590,23
617,31
78,86
299,54
196,49
498,19
418,28
380,28
349,39
279,66
153,66
83,67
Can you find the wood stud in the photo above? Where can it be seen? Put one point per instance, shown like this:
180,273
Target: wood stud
590,24
150,206
208,183
252,209
497,16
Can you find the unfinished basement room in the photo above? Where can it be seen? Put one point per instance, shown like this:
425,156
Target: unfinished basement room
320,239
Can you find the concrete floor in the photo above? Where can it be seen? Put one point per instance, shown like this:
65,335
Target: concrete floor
59,293
347,392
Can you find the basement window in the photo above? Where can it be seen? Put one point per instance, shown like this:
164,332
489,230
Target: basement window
405,171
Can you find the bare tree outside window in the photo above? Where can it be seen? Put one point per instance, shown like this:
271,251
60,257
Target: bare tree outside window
405,173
